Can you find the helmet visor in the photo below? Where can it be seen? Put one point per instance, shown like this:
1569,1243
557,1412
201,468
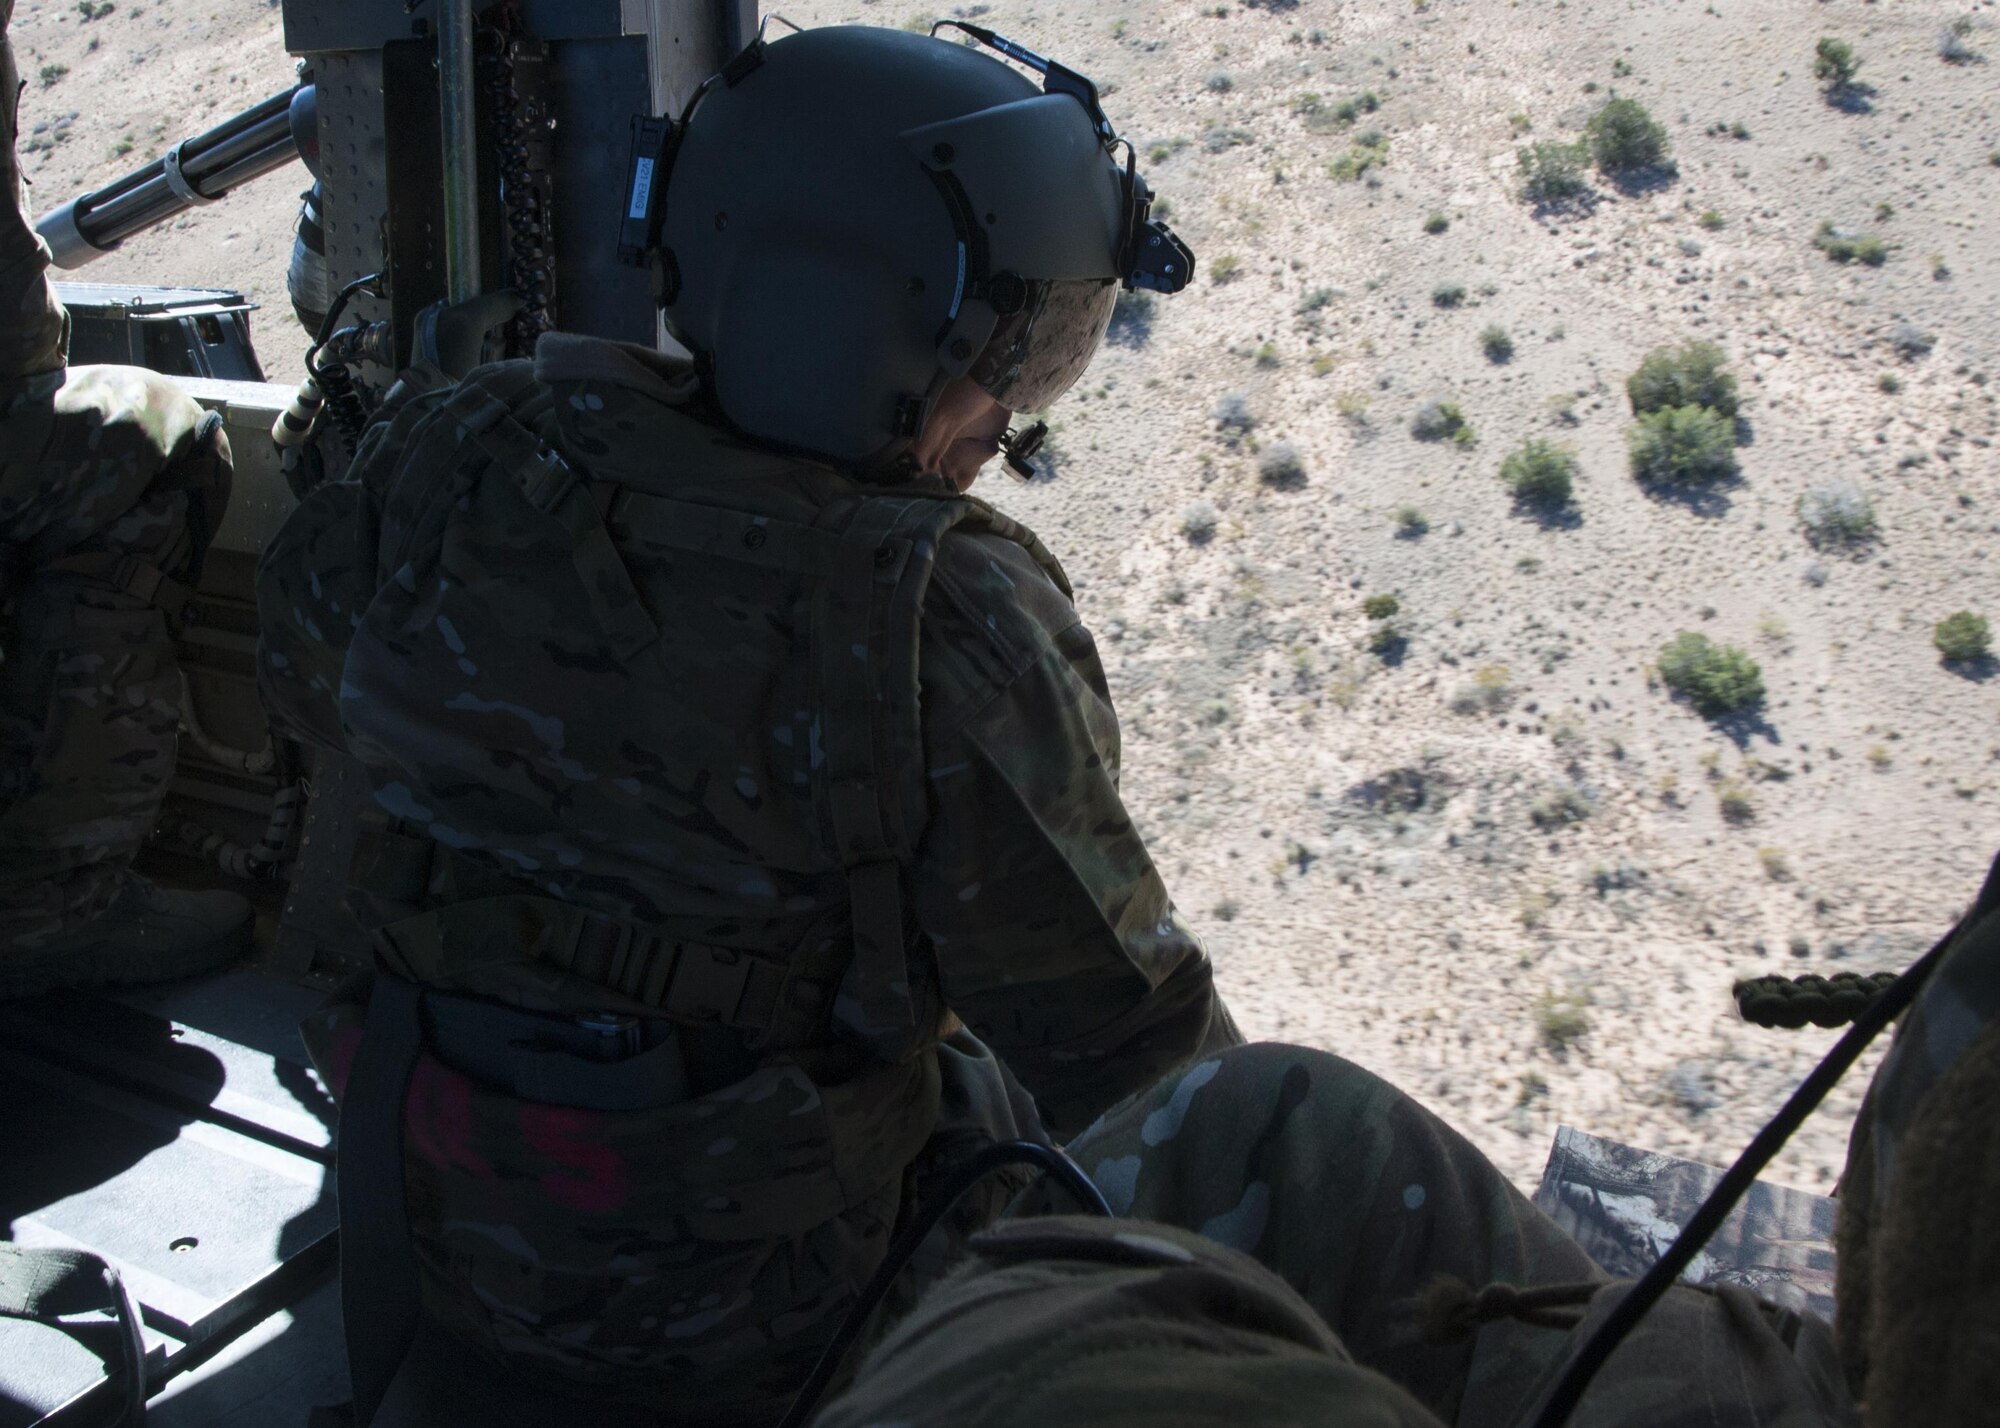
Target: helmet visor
1036,354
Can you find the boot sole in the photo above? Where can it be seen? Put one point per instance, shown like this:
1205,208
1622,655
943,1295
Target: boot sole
105,965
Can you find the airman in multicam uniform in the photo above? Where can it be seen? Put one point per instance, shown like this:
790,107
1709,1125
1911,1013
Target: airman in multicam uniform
112,481
1298,1242
751,847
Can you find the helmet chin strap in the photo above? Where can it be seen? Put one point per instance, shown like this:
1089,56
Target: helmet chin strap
1020,445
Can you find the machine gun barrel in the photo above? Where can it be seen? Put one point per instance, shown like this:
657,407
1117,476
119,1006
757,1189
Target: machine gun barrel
195,171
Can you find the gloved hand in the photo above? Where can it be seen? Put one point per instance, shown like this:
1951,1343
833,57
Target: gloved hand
451,338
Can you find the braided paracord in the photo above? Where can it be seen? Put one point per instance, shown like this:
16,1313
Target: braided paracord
1794,1002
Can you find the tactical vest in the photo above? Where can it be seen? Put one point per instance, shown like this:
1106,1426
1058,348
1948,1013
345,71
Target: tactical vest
477,521
868,555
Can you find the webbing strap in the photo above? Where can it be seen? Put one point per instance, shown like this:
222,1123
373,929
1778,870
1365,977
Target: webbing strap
128,575
47,1285
550,485
854,626
378,1263
691,982
662,523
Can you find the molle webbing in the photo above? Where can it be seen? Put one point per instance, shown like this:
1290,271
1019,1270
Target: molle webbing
691,982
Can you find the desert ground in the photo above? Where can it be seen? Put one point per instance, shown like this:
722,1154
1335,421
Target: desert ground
1487,853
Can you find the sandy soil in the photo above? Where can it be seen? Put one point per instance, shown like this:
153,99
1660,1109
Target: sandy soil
1363,860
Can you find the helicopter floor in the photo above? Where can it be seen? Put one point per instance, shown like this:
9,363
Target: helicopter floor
179,1132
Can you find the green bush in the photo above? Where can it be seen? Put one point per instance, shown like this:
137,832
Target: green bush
1683,446
1963,636
1834,64
1540,473
1386,639
1845,246
1692,375
1448,294
1436,223
1837,513
1380,607
1438,420
1370,150
1496,343
1553,172
1281,466
1623,137
1717,679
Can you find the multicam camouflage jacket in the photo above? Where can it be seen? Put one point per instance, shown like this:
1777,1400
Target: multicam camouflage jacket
668,723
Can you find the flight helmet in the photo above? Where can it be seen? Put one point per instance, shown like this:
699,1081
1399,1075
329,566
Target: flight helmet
845,219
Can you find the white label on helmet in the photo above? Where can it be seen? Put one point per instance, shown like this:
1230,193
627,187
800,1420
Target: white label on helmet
642,188
958,292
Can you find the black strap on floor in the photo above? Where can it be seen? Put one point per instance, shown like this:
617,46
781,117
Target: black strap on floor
378,1266
48,1285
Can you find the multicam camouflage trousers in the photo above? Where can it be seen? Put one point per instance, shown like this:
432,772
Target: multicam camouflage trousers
110,485
1282,1159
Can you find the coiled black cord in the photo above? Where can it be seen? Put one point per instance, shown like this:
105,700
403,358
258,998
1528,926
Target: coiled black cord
343,398
1053,1161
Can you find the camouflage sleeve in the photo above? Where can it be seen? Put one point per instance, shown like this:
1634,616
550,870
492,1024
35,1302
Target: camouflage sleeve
1055,939
316,577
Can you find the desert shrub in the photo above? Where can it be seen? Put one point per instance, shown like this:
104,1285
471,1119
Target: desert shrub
1963,636
1267,355
1495,342
1559,807
1448,294
1132,318
1438,420
1837,513
1683,446
1889,383
1219,82
1380,607
1226,269
1386,639
1490,691
1221,138
1711,220
1733,801
1198,522
1553,172
1910,340
1436,223
1692,375
1369,151
1951,45
1562,1020
1844,245
1540,473
1716,679
1281,465
1353,408
1234,418
1411,522
1623,137
1834,64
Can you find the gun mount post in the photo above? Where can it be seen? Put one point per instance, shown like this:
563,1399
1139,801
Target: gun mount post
459,134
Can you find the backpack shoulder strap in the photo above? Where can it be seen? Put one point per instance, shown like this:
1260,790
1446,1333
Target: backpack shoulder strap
867,622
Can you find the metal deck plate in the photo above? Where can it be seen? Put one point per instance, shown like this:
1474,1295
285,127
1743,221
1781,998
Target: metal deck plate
181,1134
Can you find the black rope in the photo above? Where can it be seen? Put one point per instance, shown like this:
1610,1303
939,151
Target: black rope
1604,1340
1066,1172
